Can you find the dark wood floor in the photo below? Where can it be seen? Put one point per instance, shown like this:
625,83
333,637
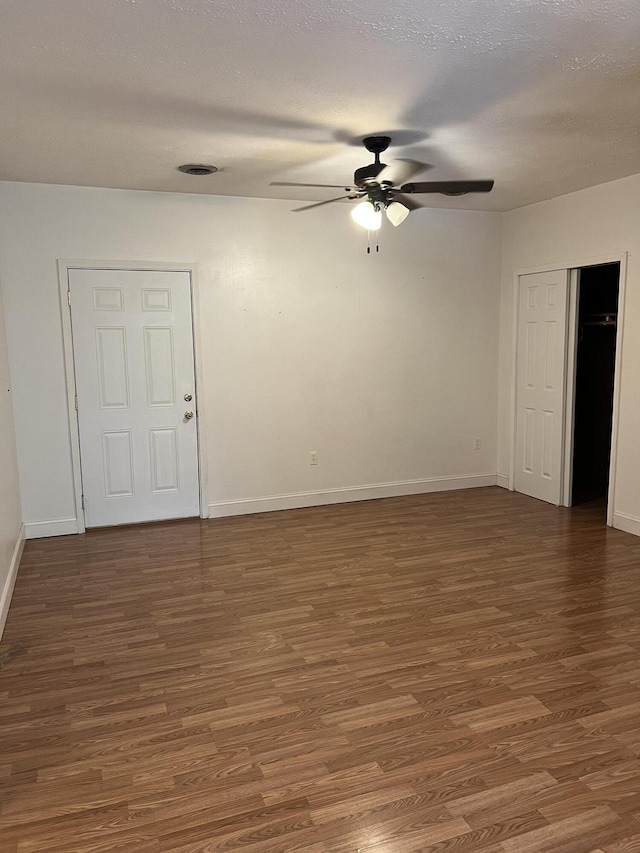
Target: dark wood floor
452,672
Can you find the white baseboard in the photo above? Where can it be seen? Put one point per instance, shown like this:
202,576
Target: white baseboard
627,523
55,527
502,480
5,598
299,500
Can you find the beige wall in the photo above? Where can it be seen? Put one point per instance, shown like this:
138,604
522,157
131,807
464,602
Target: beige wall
385,365
10,515
576,230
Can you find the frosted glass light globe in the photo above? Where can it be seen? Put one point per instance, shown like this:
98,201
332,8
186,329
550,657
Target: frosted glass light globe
366,215
397,213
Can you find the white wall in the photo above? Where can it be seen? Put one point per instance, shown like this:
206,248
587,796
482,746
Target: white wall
11,531
576,230
386,365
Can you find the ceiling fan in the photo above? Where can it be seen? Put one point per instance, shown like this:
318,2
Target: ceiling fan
380,187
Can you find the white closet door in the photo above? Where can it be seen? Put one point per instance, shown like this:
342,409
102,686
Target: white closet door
540,384
135,381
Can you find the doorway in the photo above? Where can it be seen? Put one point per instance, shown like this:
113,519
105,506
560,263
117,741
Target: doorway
132,353
595,359
568,328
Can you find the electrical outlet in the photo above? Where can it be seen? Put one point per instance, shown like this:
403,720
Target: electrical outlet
476,444
313,458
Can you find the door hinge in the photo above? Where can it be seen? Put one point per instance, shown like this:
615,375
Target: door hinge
75,400
82,501
69,298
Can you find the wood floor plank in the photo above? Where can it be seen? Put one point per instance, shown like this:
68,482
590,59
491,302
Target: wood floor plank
451,672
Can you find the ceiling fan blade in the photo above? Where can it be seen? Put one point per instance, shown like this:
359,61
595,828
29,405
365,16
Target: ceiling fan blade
320,203
321,186
409,203
400,171
449,187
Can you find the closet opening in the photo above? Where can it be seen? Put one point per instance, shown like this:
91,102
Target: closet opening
595,354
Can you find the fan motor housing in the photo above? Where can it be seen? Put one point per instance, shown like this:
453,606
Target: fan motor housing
367,175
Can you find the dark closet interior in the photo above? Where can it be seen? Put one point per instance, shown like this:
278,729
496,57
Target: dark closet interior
595,363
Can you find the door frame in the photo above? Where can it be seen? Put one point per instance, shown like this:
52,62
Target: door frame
64,266
569,342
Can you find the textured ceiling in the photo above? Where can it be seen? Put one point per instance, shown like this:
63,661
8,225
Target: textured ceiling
542,95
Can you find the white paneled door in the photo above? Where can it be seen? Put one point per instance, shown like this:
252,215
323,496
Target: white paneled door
135,384
540,384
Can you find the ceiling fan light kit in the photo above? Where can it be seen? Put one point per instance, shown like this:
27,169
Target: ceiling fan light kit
378,186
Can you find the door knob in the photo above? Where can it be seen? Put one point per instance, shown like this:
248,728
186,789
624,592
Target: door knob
188,415
188,398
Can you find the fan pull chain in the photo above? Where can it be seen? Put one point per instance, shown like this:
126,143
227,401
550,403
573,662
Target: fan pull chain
377,236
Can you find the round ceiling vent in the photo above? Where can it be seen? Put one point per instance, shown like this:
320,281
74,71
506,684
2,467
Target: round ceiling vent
197,169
